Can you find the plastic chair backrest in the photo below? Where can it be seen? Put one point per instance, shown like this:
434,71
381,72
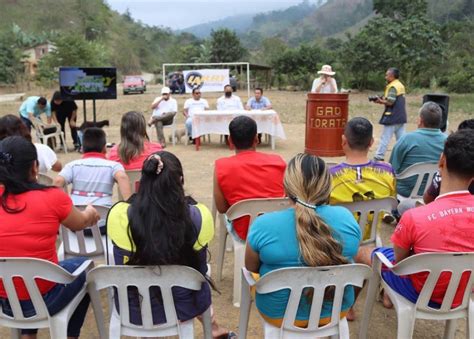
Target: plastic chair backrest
80,249
435,264
255,207
29,269
421,170
45,179
319,278
144,277
366,207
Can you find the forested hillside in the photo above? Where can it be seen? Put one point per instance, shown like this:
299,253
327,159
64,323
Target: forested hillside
430,40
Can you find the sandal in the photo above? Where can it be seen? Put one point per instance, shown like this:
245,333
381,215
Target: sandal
228,335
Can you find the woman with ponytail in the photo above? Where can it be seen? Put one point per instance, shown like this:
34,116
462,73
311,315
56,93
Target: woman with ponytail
310,233
30,215
159,225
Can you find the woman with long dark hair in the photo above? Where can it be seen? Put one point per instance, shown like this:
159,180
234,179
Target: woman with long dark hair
135,145
30,215
159,225
12,125
311,233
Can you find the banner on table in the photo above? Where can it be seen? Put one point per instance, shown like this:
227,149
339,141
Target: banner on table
207,80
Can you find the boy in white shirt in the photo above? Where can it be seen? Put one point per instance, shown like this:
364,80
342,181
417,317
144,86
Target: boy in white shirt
192,105
164,110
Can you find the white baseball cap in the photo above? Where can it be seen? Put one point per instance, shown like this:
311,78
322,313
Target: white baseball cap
165,90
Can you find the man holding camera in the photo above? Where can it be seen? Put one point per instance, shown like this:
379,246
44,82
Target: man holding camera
394,116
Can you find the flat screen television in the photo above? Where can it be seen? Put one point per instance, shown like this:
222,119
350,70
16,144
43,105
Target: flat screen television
77,83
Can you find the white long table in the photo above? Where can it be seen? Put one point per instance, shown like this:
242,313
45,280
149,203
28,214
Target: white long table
217,122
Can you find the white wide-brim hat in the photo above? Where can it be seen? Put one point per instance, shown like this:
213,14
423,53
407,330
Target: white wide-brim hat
165,90
327,70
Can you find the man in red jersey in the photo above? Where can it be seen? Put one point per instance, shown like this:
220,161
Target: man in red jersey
246,175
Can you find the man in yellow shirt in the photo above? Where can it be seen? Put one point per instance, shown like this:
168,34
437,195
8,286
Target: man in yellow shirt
394,116
358,178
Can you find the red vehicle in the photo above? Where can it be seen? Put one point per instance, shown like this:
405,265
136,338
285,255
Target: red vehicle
133,84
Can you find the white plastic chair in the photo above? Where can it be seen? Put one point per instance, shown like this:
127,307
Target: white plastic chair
296,279
39,126
45,179
421,170
30,269
76,244
144,277
407,312
366,207
252,208
173,130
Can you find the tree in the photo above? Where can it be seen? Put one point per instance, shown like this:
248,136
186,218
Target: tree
401,9
71,50
226,46
402,37
10,60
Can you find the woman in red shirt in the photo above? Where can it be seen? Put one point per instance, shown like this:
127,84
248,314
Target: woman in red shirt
135,146
30,215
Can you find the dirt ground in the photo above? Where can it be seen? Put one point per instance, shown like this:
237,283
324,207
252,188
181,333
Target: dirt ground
198,168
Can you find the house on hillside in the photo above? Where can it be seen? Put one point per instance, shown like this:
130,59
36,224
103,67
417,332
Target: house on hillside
34,54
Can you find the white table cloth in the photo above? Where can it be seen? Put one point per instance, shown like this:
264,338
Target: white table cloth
217,122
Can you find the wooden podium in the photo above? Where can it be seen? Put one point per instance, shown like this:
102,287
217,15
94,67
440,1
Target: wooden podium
326,117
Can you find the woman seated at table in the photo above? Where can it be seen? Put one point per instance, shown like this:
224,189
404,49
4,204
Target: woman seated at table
153,228
134,146
310,233
30,216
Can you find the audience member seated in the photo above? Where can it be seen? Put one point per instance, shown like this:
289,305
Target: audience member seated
164,229
93,176
191,106
47,160
30,216
246,175
311,233
445,225
229,101
358,178
423,145
433,191
135,145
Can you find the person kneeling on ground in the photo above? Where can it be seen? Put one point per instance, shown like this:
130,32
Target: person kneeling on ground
165,229
434,228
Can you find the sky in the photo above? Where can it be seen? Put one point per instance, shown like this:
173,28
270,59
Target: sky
179,14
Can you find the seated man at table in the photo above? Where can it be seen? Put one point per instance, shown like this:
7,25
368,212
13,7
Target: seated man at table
246,175
258,101
229,101
444,225
192,105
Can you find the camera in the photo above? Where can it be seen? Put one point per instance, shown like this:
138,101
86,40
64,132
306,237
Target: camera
373,98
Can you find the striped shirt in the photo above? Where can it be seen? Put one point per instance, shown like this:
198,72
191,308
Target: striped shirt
92,178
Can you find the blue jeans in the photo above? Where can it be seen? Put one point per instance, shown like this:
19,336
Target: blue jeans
57,298
189,126
388,131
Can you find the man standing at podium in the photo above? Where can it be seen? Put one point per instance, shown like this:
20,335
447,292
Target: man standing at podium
394,116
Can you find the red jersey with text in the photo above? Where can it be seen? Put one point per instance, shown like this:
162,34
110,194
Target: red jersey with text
445,225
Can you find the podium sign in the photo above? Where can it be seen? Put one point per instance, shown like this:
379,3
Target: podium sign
326,117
